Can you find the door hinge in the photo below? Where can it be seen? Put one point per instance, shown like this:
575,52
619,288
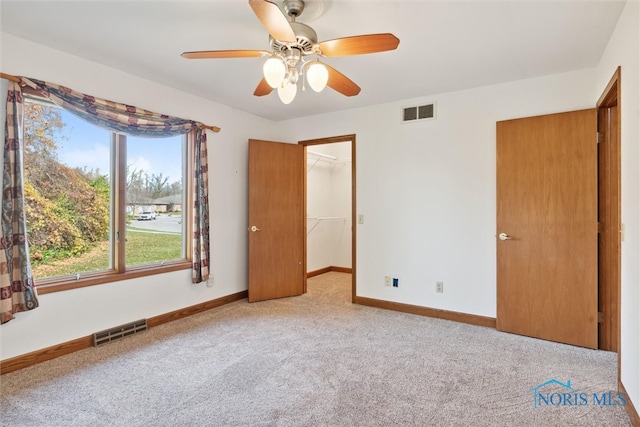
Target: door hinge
599,137
600,227
600,317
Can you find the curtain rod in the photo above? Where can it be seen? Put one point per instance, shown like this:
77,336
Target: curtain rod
212,128
11,78
21,83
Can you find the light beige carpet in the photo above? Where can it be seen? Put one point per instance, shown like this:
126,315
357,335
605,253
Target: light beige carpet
313,360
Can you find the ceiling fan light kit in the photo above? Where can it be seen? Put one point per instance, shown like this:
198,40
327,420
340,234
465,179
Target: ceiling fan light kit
290,43
317,76
274,71
287,91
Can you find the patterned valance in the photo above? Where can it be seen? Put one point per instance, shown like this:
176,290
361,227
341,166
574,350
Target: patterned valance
111,115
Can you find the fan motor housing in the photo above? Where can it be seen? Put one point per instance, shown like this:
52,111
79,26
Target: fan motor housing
306,38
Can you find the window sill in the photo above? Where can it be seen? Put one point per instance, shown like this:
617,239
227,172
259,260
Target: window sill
48,286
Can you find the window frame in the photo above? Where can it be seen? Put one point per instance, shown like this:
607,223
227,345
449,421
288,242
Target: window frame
118,216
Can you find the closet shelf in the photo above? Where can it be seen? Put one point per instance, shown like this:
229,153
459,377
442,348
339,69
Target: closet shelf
321,155
324,218
324,158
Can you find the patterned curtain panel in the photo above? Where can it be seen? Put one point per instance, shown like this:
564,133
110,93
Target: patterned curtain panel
17,289
201,251
112,115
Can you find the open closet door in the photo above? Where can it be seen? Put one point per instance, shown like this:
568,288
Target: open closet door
276,220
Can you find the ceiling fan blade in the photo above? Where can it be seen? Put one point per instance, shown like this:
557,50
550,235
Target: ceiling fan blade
359,45
214,54
263,88
341,83
273,20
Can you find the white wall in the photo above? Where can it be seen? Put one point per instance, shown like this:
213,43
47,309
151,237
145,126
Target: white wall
341,203
427,189
624,50
329,195
68,315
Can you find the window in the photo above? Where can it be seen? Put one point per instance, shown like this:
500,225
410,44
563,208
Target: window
101,206
154,199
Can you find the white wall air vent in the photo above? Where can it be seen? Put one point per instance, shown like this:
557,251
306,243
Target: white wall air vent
419,112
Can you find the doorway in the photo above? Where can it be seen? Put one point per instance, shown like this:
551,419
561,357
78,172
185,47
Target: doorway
329,200
609,216
609,232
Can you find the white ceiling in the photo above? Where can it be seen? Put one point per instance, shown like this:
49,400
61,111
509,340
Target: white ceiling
444,46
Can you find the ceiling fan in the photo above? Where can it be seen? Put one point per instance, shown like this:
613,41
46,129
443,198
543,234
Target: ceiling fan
291,44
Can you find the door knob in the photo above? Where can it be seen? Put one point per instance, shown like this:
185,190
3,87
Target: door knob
254,228
504,236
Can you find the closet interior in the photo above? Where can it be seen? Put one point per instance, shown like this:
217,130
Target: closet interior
329,207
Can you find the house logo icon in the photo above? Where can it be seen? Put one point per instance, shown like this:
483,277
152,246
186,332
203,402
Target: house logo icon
562,394
536,389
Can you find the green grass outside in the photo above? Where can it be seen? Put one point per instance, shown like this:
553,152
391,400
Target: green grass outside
141,248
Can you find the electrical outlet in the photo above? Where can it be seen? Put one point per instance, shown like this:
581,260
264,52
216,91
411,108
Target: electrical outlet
387,280
440,287
396,282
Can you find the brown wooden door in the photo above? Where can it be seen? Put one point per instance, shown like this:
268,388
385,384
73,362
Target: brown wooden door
276,220
547,271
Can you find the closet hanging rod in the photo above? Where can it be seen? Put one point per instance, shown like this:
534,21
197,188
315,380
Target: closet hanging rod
319,219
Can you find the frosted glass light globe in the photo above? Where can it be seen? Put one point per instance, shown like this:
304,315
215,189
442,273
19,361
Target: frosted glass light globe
317,76
287,92
274,71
